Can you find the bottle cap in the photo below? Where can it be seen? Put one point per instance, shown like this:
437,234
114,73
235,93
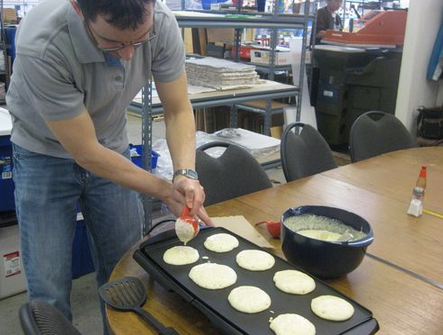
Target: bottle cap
418,191
423,171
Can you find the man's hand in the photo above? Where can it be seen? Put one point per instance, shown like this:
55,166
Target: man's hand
189,192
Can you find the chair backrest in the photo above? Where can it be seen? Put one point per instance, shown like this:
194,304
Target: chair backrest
40,318
375,133
235,173
304,152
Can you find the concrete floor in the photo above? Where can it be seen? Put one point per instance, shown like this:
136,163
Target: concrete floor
84,297
84,302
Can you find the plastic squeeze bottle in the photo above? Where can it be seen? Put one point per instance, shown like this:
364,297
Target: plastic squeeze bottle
421,180
418,193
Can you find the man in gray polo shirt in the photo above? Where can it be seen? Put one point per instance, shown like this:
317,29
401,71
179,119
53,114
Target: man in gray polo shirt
78,65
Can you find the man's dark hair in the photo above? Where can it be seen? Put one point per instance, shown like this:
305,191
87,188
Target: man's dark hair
121,14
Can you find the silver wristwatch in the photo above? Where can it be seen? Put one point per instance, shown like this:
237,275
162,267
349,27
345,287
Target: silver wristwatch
188,173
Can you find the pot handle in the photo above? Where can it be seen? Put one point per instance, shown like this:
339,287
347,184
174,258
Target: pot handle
360,243
273,227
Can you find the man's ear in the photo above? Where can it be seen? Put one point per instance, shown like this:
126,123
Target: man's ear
77,8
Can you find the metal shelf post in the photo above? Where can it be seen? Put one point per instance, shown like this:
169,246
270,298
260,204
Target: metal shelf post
147,150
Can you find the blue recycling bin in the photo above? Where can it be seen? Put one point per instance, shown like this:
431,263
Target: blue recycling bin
10,41
137,157
7,202
206,4
82,263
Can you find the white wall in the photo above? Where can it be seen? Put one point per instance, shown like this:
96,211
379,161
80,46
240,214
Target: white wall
414,90
440,94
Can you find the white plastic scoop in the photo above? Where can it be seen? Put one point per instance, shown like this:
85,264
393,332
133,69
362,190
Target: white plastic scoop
186,227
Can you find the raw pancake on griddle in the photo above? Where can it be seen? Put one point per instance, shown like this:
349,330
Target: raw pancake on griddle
249,299
213,276
294,282
332,308
181,255
292,324
221,242
255,260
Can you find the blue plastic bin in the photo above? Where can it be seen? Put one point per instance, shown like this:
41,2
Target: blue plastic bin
10,40
261,4
7,202
138,159
206,4
82,263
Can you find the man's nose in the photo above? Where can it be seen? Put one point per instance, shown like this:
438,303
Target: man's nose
126,53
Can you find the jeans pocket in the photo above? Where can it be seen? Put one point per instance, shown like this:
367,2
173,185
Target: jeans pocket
21,153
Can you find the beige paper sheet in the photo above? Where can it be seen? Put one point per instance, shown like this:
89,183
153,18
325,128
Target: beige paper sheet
240,226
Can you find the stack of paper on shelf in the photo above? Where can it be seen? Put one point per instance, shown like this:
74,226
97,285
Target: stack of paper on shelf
260,146
220,73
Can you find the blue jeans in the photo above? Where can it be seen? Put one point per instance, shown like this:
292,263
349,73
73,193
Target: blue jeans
47,191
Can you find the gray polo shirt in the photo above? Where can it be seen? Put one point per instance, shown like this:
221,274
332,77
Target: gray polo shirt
58,72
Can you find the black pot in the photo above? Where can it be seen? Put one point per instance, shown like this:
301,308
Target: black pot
325,259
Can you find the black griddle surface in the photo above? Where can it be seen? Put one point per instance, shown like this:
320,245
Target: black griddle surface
215,303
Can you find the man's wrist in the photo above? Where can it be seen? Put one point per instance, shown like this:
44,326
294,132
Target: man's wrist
188,173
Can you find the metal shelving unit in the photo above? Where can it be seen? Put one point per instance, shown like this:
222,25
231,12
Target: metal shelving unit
274,21
4,74
226,98
270,21
246,21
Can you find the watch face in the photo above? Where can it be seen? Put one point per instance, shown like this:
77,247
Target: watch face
191,174
188,173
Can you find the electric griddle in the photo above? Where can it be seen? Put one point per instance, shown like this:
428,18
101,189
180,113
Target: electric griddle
214,303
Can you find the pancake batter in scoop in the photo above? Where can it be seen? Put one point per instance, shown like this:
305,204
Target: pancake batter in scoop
186,227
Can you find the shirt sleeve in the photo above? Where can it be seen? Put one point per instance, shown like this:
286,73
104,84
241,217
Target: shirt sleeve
322,21
338,22
50,88
169,53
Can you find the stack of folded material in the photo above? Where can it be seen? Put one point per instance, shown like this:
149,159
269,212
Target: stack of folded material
220,73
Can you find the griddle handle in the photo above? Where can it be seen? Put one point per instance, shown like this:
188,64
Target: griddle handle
169,331
369,327
150,319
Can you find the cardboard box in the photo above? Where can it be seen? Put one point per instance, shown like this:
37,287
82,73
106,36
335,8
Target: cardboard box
12,276
262,56
9,15
224,35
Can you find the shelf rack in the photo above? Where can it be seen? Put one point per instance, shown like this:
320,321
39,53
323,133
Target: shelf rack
4,74
269,90
150,106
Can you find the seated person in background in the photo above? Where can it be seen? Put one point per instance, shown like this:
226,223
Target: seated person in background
328,19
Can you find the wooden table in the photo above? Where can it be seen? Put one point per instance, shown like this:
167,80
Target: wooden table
401,279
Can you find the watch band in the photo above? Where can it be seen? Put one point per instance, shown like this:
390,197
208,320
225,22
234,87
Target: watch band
188,173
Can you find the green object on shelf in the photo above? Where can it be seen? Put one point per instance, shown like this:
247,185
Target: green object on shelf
239,16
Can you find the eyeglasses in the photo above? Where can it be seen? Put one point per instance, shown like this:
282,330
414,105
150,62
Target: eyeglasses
151,35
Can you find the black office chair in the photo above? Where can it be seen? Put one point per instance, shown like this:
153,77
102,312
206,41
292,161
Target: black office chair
304,152
375,133
235,173
40,318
